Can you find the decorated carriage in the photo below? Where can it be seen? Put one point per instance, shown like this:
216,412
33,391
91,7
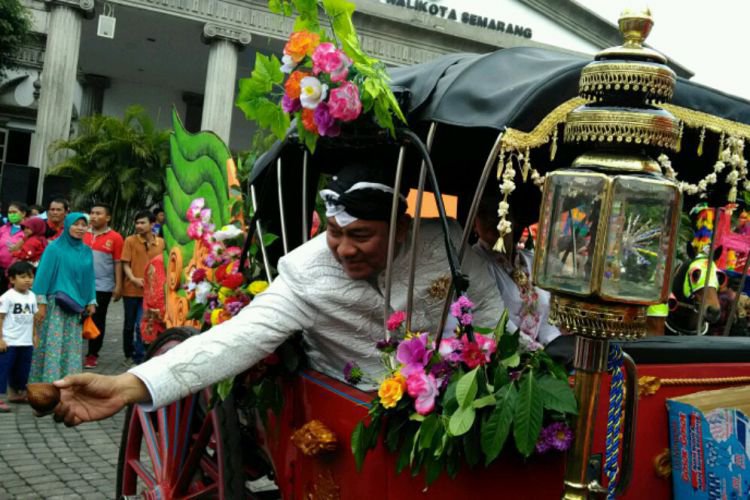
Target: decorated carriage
607,233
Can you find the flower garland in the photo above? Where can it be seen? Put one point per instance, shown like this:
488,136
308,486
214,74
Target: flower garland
731,154
321,82
460,400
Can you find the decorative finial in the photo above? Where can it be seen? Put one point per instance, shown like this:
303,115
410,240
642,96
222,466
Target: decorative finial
635,27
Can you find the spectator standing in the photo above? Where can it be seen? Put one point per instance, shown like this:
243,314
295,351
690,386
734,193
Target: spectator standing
56,212
11,238
156,228
65,287
34,241
17,335
35,210
137,252
106,244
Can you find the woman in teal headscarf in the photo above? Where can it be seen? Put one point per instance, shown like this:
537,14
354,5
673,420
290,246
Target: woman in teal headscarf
65,274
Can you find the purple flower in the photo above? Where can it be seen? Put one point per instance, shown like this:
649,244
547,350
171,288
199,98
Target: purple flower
442,372
413,354
290,105
450,350
353,373
326,123
461,309
466,319
387,345
233,308
556,436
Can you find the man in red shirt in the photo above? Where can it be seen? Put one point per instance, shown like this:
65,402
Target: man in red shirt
56,212
107,245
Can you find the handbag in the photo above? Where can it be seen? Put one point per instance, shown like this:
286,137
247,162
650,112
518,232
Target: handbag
90,330
67,304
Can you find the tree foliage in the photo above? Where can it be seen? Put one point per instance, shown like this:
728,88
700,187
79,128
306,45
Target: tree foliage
15,30
118,161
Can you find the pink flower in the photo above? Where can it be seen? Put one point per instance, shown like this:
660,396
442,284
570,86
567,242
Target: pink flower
413,354
326,124
450,350
195,230
423,388
395,320
329,59
460,306
195,209
198,275
344,102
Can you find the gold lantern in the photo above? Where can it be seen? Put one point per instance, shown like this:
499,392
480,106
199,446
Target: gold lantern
609,223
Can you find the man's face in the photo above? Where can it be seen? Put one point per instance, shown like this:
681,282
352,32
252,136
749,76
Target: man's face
362,247
99,218
160,217
142,226
56,212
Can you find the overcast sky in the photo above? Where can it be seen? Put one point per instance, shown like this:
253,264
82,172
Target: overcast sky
710,38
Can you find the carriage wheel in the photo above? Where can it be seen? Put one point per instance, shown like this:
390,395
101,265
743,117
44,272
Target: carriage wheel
182,450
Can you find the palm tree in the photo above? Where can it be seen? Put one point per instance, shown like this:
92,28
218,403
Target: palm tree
116,161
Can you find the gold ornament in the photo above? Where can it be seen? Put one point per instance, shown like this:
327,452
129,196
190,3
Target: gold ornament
314,439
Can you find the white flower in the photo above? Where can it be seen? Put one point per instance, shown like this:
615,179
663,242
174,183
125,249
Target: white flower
732,177
711,178
288,65
702,185
735,159
662,158
746,185
719,166
502,209
201,292
312,92
507,187
227,233
504,227
725,155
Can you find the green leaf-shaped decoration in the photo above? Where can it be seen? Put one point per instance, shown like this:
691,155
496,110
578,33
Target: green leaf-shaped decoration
462,420
198,169
466,389
557,395
527,421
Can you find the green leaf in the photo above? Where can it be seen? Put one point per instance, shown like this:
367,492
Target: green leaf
405,454
358,448
394,433
497,426
432,469
308,16
511,361
527,421
487,400
557,369
275,6
449,399
461,421
466,389
196,311
427,431
269,238
507,345
224,388
557,395
472,448
416,417
500,328
502,378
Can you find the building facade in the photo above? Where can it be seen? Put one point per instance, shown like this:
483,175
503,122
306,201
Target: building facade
99,57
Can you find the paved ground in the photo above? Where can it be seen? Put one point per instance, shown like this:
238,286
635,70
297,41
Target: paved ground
42,459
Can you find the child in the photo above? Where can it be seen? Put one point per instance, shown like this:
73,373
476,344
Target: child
17,333
34,241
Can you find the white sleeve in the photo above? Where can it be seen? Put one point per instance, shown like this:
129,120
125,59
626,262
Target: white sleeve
226,349
488,303
5,303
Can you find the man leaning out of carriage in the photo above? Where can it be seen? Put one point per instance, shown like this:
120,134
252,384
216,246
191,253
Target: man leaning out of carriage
331,288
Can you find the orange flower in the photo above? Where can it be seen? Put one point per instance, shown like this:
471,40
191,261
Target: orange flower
301,44
292,86
392,390
307,120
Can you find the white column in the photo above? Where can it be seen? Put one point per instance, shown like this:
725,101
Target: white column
221,77
58,81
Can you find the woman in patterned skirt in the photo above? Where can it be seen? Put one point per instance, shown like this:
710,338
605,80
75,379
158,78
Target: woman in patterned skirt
65,287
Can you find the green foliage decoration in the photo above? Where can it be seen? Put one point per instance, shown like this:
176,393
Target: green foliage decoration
15,30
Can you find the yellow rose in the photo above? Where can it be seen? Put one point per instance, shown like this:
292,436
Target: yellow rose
257,287
224,292
217,316
392,390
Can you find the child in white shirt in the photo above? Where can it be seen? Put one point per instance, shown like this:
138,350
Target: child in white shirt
17,333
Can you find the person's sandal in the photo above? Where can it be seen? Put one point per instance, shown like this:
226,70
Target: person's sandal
19,400
4,408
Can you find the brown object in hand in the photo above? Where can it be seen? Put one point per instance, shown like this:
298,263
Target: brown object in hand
43,397
314,439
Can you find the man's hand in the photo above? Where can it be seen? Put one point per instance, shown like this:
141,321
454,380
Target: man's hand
137,282
3,346
91,309
117,293
88,397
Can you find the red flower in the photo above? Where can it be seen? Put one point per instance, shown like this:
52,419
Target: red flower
308,122
472,355
232,281
199,275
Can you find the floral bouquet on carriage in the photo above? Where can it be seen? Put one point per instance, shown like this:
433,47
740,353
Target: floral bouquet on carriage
458,400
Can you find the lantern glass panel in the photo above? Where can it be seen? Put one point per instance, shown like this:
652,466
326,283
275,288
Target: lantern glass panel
639,240
570,219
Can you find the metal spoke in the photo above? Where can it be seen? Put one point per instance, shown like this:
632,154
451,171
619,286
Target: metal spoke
152,444
392,240
142,472
282,218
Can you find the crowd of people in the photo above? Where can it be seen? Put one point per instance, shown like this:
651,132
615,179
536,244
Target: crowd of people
58,267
